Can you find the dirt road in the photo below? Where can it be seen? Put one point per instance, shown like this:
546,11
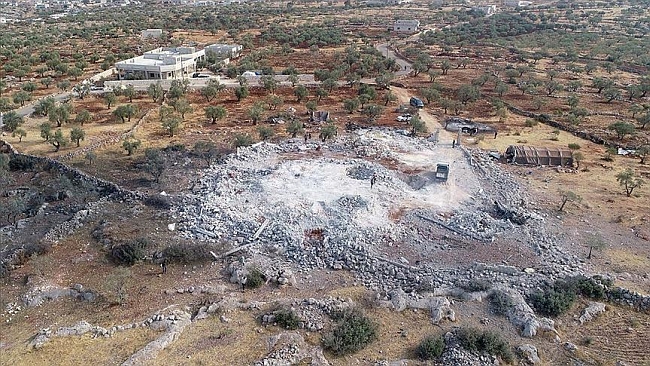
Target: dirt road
432,123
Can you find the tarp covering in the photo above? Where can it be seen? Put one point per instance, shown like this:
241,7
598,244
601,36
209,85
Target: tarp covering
528,155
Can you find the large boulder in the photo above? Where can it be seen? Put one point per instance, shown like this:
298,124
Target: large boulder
591,311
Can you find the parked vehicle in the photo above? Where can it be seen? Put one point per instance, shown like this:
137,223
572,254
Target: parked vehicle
404,117
417,102
442,172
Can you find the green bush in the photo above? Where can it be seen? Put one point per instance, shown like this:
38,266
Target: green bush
187,253
500,302
574,146
353,332
531,122
431,347
476,285
287,318
158,201
21,163
128,253
242,140
255,278
476,340
594,288
554,300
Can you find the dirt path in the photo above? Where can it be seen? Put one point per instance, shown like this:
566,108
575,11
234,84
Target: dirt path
432,123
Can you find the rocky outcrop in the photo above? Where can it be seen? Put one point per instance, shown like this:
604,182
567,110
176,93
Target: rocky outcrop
521,315
591,311
528,354
290,348
173,325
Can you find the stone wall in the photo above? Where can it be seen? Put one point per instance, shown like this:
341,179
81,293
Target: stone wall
108,188
564,127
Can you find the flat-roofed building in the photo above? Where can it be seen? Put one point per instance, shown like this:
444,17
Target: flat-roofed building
162,63
406,26
151,33
224,50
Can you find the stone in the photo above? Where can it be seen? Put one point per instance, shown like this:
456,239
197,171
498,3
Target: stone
591,311
528,353
570,347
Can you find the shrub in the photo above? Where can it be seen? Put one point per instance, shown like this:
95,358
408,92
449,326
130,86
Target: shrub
174,148
353,332
531,122
255,278
242,140
431,347
287,318
574,146
589,287
20,162
128,253
476,284
187,253
500,302
553,300
476,340
158,201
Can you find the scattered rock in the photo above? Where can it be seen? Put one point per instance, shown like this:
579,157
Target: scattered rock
591,311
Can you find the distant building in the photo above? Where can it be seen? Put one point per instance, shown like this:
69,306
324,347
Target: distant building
162,63
516,3
489,10
406,26
151,33
223,51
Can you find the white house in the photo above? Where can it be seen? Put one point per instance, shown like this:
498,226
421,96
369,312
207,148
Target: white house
224,50
406,26
162,63
516,3
151,33
489,10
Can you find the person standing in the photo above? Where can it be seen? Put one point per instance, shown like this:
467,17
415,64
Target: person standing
373,180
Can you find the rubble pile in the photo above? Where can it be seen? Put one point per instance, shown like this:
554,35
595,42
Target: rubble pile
271,198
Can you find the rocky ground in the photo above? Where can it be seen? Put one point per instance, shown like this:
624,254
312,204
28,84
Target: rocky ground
307,215
313,206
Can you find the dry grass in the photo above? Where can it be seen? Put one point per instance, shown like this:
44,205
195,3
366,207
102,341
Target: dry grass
82,350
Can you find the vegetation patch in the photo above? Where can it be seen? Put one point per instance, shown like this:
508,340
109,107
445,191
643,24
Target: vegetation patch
431,347
129,253
476,285
500,302
353,332
476,340
287,318
255,278
187,253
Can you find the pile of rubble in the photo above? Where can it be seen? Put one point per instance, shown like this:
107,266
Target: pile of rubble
272,198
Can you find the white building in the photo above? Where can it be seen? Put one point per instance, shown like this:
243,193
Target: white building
162,63
151,33
224,50
489,10
517,3
406,26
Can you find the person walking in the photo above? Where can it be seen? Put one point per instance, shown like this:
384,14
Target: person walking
163,265
373,180
453,144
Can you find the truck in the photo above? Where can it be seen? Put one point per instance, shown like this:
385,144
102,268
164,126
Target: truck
442,172
416,102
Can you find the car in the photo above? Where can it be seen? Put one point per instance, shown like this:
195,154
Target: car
404,117
416,102
201,76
